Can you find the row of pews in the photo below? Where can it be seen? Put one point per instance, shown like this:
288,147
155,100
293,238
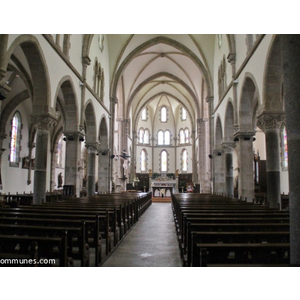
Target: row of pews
68,232
215,230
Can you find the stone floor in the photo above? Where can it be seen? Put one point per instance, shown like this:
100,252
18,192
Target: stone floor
152,242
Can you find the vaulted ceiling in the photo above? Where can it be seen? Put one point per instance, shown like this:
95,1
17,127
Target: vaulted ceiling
177,68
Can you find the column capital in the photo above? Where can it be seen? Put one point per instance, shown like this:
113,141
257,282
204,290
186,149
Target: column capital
246,135
270,120
209,99
93,147
231,58
44,122
86,60
228,146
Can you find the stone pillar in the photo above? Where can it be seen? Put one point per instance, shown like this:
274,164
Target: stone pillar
91,162
245,163
218,171
269,123
73,160
103,171
290,51
228,167
203,167
43,125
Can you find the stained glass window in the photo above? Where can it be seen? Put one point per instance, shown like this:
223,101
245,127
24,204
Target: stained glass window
143,160
181,136
141,135
163,165
285,148
187,135
15,140
184,160
59,152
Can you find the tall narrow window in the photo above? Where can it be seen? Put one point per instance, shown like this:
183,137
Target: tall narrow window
59,152
163,161
15,139
184,160
141,136
146,136
160,138
163,114
183,114
187,135
181,136
144,114
167,137
284,148
143,160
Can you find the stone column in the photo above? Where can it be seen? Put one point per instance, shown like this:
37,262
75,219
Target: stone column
203,169
43,125
269,123
103,171
290,51
228,167
245,163
73,157
91,162
218,171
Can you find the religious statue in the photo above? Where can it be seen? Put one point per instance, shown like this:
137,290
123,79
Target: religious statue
150,173
177,173
60,180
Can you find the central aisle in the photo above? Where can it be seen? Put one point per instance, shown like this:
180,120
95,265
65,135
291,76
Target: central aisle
152,242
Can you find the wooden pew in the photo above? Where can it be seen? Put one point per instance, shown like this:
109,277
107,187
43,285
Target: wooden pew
206,254
90,225
45,247
75,237
241,237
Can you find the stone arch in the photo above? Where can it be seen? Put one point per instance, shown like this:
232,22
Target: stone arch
66,95
248,104
90,123
38,69
229,123
218,133
272,84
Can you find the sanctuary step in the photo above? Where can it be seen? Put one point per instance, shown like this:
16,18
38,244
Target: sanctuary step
161,199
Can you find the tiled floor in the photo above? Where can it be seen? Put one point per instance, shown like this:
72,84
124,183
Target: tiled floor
152,242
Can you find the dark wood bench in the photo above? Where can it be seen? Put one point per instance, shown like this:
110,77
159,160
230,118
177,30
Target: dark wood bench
14,247
92,228
242,237
205,254
75,237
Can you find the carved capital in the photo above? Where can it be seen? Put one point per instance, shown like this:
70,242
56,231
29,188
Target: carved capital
93,147
209,99
231,58
44,122
86,60
270,120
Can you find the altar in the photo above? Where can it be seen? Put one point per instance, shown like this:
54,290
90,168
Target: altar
163,188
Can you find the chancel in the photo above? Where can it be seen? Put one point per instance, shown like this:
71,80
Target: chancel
112,140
